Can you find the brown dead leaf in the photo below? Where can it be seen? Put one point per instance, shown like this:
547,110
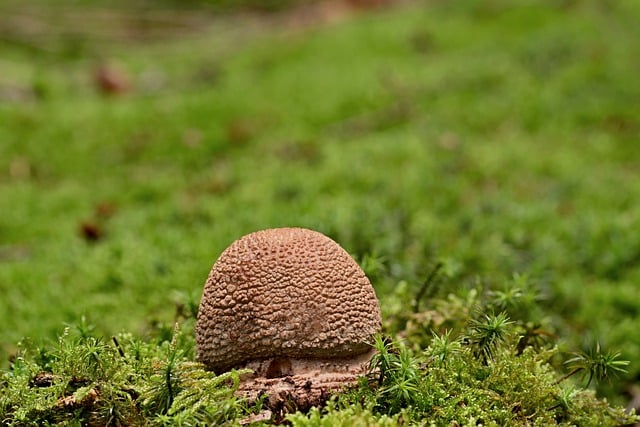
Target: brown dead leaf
91,231
112,79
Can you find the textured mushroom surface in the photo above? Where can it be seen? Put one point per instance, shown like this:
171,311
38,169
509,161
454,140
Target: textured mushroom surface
285,294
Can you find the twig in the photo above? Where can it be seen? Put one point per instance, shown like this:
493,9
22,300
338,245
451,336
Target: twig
117,344
567,376
426,285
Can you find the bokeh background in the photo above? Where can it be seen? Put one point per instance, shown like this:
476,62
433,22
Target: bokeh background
493,138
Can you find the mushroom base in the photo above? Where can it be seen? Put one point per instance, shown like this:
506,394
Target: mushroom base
289,384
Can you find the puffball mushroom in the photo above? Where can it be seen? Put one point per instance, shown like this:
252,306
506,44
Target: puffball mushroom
293,306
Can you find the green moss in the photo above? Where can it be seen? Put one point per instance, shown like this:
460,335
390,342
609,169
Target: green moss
483,371
85,380
488,138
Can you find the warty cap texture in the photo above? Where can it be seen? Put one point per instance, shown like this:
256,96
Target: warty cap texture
285,292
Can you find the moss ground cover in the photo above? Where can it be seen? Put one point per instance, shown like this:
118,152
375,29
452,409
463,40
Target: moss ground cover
492,142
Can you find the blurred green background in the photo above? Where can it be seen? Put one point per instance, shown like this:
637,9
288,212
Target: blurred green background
139,139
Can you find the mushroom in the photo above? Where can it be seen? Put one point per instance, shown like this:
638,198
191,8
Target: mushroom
291,305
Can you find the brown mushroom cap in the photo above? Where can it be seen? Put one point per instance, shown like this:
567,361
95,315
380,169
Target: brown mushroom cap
285,293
